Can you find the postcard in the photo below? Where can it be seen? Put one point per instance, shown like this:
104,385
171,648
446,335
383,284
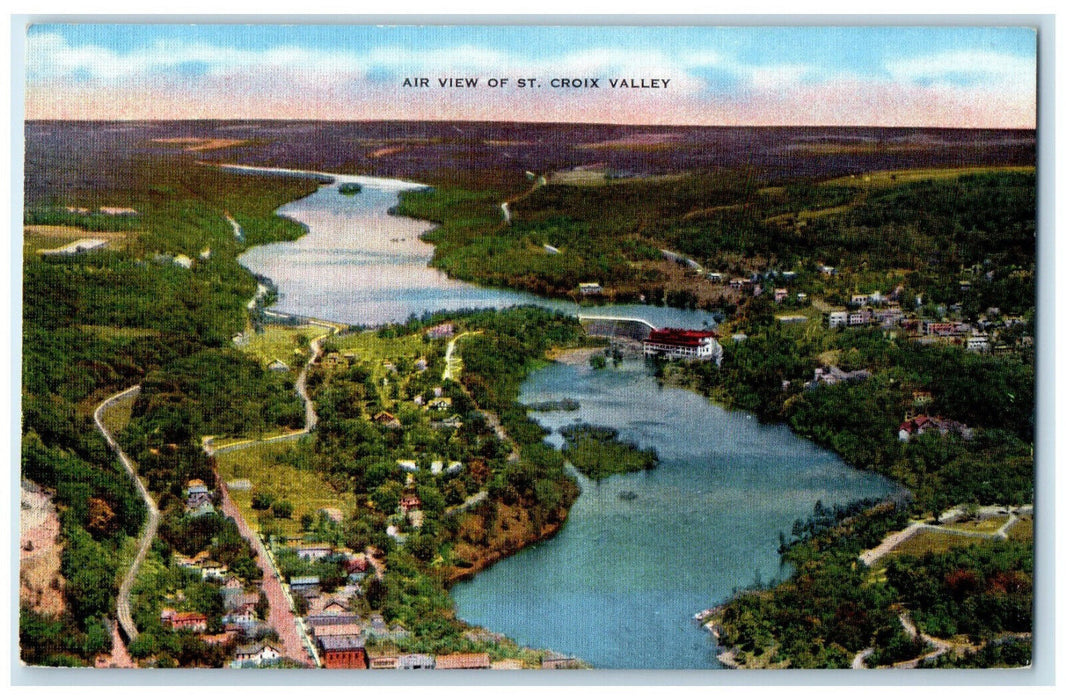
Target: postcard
523,347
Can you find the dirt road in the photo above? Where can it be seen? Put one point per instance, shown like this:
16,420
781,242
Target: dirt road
125,618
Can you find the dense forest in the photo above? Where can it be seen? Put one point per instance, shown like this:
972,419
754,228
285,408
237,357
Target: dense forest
734,222
96,323
830,608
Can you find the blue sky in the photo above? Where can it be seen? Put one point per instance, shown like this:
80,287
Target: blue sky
922,76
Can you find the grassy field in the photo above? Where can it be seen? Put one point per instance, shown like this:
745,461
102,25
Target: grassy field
888,178
375,351
270,472
932,542
285,343
1022,529
988,525
40,237
938,542
117,417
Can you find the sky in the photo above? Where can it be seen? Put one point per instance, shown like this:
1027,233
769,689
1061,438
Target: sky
972,77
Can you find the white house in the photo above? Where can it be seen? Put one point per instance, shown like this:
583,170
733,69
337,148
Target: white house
838,319
256,654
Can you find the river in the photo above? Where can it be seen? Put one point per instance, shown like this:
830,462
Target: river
358,264
617,587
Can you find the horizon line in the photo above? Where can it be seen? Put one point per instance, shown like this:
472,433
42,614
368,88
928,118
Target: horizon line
190,120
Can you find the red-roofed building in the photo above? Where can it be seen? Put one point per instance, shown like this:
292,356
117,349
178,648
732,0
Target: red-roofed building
356,564
197,622
922,424
675,343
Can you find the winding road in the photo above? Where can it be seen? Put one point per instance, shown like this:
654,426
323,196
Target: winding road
125,618
279,601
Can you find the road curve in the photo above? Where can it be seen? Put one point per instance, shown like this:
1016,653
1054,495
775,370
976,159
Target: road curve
125,618
310,417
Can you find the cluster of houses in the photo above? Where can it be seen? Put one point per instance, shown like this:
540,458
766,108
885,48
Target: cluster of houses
875,310
356,565
240,618
753,284
341,639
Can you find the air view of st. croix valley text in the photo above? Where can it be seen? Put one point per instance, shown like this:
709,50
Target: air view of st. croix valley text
419,348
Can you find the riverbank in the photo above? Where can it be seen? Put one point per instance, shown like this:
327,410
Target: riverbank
519,536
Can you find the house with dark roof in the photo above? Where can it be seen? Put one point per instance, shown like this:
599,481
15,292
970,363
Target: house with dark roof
305,585
322,620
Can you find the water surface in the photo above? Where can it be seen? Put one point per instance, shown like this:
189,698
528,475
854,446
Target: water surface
619,584
358,264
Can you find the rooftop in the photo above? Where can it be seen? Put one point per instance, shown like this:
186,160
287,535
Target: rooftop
346,642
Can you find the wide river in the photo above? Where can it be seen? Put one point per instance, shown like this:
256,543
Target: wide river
618,586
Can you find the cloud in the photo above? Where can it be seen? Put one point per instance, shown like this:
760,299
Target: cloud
775,77
189,79
965,67
50,57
